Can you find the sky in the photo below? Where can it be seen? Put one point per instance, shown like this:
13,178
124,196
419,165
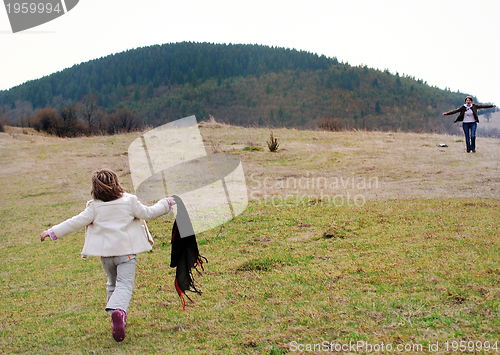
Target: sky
448,43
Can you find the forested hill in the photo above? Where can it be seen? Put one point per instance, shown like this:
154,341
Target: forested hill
245,85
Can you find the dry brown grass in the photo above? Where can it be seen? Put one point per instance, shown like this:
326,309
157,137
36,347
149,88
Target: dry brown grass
406,165
382,165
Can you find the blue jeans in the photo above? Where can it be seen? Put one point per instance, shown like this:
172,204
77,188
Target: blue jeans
470,135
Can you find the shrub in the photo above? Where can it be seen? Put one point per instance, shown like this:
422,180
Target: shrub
69,125
273,143
330,124
46,120
64,124
123,120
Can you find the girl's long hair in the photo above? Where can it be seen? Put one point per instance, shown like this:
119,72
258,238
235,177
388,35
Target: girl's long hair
105,185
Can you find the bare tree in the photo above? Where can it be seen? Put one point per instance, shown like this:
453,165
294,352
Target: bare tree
70,127
25,119
89,109
123,120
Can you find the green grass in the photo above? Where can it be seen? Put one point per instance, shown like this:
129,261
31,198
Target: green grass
253,149
396,271
411,271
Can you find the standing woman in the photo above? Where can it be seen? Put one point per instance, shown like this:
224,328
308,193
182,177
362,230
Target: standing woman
469,119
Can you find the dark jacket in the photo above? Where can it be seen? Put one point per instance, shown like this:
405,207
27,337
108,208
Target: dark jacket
462,110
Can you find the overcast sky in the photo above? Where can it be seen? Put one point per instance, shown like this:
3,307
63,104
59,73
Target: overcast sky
451,43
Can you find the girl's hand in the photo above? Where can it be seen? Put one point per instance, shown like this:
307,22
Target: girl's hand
44,235
172,201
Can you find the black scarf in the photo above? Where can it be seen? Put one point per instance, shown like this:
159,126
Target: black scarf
185,254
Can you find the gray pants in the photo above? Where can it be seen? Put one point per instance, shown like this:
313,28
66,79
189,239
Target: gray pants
120,271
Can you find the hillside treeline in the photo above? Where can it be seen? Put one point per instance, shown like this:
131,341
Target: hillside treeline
249,85
358,98
161,65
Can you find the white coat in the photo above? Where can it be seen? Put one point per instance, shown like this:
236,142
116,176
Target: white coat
114,227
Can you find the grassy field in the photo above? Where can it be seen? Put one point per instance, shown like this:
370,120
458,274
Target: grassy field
350,238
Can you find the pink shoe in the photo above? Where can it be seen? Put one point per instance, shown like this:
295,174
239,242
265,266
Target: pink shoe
118,318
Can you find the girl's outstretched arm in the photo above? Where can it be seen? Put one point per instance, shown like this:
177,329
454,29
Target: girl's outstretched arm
70,225
151,212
